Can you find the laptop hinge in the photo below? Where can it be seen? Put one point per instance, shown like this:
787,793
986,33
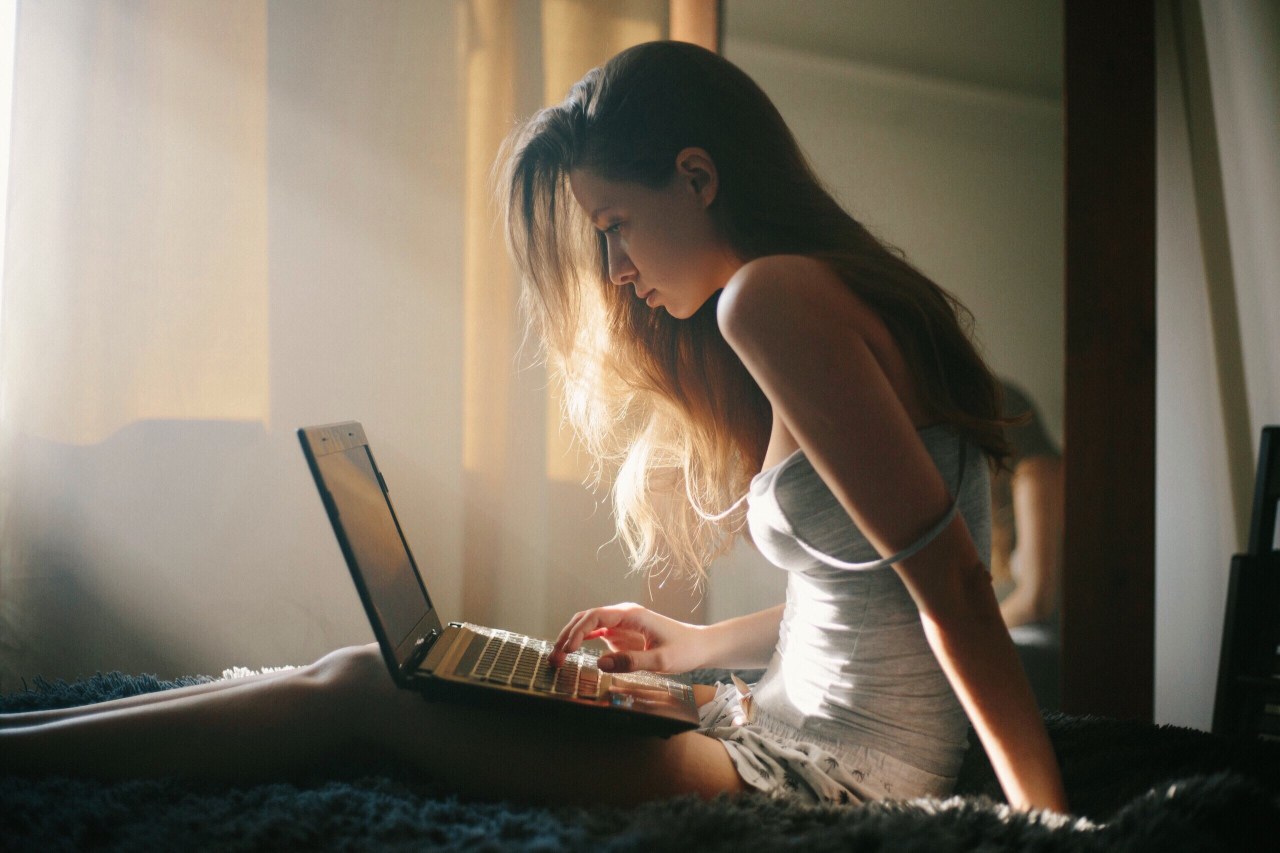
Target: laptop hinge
420,650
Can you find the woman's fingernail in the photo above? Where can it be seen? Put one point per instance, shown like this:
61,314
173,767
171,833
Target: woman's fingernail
605,664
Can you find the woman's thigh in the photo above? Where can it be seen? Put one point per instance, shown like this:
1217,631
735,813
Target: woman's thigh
510,753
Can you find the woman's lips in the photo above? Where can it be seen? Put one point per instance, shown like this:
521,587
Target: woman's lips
647,295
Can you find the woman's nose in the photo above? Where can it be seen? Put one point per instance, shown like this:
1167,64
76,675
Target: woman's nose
621,270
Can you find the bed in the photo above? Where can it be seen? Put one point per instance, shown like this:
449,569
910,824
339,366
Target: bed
1131,785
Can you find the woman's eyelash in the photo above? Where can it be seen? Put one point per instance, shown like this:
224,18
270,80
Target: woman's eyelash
611,229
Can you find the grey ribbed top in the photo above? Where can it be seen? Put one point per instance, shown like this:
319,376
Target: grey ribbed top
852,663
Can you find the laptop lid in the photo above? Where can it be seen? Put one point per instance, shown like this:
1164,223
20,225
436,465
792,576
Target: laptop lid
355,497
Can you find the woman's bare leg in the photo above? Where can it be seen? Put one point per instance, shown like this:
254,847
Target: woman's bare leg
345,710
495,754
248,730
31,718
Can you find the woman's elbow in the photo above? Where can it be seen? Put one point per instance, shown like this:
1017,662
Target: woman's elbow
965,600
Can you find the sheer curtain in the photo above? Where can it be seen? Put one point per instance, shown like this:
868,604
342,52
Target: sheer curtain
537,543
228,220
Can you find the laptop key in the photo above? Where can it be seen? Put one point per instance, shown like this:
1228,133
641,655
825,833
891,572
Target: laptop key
504,666
525,668
487,658
566,682
545,680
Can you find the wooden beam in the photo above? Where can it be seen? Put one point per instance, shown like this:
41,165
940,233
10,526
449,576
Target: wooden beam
1108,608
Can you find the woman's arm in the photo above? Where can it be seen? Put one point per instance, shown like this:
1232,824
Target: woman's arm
745,642
963,625
824,360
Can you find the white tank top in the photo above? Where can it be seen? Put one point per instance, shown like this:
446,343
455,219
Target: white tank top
852,663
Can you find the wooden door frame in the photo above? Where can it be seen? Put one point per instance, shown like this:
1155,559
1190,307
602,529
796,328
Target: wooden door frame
1108,604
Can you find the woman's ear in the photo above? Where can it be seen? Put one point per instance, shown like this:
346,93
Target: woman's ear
696,169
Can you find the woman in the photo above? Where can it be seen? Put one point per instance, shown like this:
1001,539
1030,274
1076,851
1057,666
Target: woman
727,337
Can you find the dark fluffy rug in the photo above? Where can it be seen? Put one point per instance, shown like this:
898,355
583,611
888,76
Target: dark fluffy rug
1132,786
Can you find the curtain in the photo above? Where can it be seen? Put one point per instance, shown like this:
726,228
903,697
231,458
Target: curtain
135,300
118,213
528,516
226,221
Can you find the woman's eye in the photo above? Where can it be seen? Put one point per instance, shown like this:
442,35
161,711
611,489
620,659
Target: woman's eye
611,229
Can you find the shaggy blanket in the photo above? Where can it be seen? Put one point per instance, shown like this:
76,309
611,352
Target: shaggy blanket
1132,786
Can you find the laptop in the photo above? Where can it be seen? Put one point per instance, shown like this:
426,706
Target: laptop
459,661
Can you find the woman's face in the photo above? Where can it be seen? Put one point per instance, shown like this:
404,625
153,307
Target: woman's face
662,242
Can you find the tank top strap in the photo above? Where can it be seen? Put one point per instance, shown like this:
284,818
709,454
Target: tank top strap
915,547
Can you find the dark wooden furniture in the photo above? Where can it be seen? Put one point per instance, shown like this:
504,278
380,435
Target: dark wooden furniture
1248,696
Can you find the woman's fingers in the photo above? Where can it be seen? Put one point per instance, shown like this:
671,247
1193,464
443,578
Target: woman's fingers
638,639
573,635
575,632
600,622
619,641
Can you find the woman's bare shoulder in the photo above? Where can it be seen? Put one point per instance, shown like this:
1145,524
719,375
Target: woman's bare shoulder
789,289
775,305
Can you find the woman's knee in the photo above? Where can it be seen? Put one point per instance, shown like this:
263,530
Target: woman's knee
357,696
346,688
354,673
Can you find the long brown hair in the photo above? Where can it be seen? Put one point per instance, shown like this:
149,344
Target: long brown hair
666,403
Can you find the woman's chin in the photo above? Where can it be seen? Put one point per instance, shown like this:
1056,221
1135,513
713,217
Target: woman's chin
681,310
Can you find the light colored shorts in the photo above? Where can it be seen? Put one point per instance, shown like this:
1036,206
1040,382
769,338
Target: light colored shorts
780,761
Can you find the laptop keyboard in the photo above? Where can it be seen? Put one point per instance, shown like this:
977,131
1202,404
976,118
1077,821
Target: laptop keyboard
514,660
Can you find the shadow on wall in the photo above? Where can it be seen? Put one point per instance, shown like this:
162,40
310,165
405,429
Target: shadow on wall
173,547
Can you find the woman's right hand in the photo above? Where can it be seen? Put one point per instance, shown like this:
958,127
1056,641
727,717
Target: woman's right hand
638,639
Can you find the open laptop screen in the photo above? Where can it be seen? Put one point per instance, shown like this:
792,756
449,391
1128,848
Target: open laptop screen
371,532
